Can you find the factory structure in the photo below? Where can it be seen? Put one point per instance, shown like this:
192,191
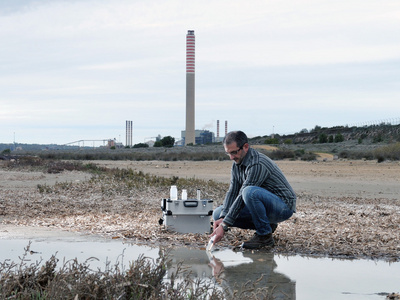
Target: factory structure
128,134
205,136
189,136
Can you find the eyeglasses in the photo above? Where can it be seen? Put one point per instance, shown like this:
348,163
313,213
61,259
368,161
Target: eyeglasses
232,153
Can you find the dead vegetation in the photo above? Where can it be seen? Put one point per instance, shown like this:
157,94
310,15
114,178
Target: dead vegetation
122,203
143,279
347,227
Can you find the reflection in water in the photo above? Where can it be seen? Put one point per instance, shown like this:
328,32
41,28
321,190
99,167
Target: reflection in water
234,269
296,277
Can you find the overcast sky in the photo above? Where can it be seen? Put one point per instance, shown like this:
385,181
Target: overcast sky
77,70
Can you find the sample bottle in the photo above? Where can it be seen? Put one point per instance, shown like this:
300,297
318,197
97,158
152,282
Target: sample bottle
173,194
184,195
210,244
198,195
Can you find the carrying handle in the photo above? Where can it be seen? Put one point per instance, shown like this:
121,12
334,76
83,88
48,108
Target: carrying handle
190,203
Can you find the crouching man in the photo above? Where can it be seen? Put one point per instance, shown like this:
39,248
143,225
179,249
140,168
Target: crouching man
259,196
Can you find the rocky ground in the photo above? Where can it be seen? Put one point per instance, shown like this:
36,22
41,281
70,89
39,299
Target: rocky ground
345,208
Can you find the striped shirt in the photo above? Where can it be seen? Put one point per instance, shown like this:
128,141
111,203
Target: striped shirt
256,169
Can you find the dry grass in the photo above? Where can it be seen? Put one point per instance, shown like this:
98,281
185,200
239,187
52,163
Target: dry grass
343,227
143,279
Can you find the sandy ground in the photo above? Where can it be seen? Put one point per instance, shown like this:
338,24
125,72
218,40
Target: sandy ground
345,208
366,179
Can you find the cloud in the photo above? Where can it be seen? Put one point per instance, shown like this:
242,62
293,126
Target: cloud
88,64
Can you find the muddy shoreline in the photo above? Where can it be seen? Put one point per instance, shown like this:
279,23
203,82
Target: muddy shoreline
346,209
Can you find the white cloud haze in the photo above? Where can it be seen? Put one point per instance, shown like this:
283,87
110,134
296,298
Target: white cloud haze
72,70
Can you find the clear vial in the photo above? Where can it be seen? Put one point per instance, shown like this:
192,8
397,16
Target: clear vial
210,244
198,194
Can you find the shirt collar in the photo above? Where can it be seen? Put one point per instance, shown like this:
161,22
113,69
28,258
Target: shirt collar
247,159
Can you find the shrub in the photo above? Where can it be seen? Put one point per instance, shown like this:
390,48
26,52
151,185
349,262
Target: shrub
377,139
281,154
288,141
391,152
339,138
273,141
323,138
168,141
299,152
141,145
309,156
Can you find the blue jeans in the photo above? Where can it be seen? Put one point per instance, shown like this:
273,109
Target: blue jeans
261,209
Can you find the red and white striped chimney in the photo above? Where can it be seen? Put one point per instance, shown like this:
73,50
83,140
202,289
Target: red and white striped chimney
190,135
190,51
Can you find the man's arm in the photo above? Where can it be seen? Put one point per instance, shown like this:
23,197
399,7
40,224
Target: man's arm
219,230
232,193
256,174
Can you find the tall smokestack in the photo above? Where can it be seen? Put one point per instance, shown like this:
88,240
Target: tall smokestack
128,134
226,128
218,129
190,64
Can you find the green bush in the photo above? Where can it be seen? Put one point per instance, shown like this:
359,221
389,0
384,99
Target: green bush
141,145
339,138
273,141
377,139
168,141
288,141
323,138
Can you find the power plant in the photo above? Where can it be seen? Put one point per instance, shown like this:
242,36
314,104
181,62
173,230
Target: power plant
190,137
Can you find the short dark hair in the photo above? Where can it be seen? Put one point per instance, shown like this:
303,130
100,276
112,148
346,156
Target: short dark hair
235,136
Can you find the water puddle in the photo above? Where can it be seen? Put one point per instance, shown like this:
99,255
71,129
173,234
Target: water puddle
291,277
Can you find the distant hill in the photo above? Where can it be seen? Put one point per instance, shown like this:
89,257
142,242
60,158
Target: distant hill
330,140
36,147
384,133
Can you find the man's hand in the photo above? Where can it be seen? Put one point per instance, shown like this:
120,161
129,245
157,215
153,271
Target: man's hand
217,223
217,267
218,232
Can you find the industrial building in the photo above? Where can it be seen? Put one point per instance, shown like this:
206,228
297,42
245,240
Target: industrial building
201,137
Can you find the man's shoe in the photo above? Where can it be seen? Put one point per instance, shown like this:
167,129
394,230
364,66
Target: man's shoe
259,241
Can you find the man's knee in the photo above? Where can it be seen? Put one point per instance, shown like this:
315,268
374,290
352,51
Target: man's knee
246,193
